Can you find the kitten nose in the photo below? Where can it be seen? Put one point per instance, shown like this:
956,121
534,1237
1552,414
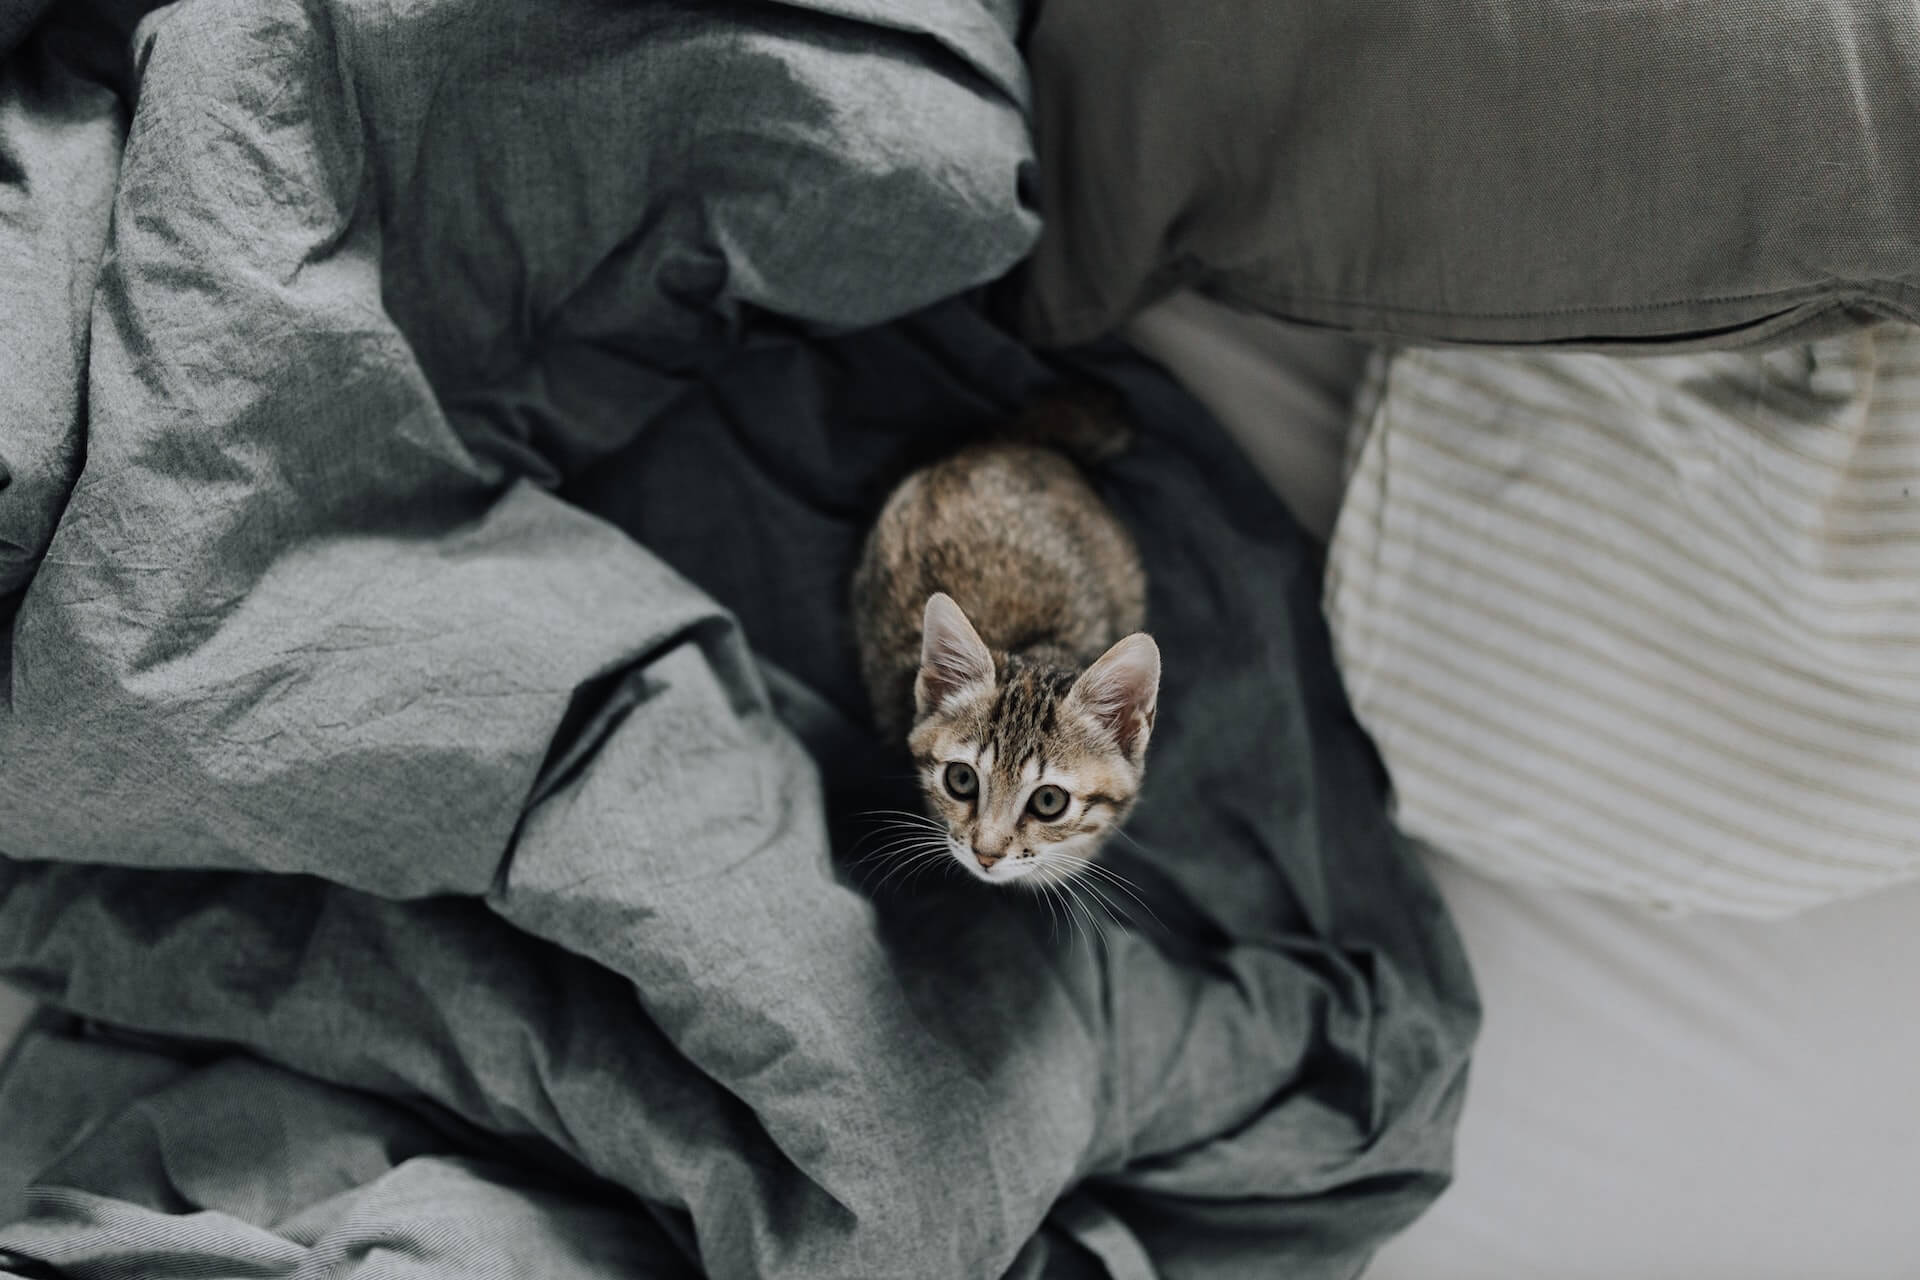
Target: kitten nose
985,859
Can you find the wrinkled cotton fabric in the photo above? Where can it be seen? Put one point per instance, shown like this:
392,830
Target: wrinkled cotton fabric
431,715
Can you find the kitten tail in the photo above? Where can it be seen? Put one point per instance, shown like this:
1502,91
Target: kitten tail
1087,421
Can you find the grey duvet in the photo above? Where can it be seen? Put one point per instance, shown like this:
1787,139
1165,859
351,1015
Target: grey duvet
433,440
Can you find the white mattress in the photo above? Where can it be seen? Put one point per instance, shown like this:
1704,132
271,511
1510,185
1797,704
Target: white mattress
1703,1098
1697,1098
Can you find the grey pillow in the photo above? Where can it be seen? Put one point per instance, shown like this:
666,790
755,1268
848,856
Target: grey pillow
1642,172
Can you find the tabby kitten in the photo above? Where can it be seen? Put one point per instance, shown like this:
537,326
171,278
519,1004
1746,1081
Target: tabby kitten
998,606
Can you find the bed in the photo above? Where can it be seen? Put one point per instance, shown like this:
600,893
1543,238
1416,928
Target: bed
1651,1095
434,773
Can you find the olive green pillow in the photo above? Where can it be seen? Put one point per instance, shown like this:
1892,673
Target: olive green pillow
1621,174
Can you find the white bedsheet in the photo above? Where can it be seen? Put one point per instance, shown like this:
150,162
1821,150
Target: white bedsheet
1702,1098
1652,1098
1282,391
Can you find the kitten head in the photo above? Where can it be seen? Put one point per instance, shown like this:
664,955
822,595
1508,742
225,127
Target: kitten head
1030,766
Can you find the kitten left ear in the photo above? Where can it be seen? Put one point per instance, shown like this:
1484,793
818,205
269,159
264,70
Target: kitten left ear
953,657
1121,692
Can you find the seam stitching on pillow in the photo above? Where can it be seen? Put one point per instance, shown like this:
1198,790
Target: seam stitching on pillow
1805,293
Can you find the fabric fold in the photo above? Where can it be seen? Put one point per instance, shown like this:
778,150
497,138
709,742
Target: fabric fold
467,419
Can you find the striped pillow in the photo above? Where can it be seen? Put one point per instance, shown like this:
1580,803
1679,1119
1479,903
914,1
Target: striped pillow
1646,627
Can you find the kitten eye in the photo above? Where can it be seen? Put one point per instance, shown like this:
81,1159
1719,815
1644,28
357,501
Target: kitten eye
1048,802
961,781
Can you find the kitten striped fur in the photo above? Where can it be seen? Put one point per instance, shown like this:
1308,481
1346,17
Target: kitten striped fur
997,606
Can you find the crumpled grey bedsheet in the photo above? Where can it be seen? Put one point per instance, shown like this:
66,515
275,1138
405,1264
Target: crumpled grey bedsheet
430,759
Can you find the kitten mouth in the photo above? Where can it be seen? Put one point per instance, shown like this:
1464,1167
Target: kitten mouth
1003,871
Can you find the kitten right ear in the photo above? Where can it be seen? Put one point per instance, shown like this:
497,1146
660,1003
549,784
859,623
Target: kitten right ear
953,658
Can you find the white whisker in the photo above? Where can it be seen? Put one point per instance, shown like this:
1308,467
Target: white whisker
1113,878
1073,922
1133,840
912,858
1053,917
894,846
1093,930
945,862
908,814
1106,903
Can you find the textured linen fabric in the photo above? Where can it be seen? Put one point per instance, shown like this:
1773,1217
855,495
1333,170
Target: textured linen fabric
1480,171
15,1012
154,1167
1645,627
341,745
1264,1069
375,273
